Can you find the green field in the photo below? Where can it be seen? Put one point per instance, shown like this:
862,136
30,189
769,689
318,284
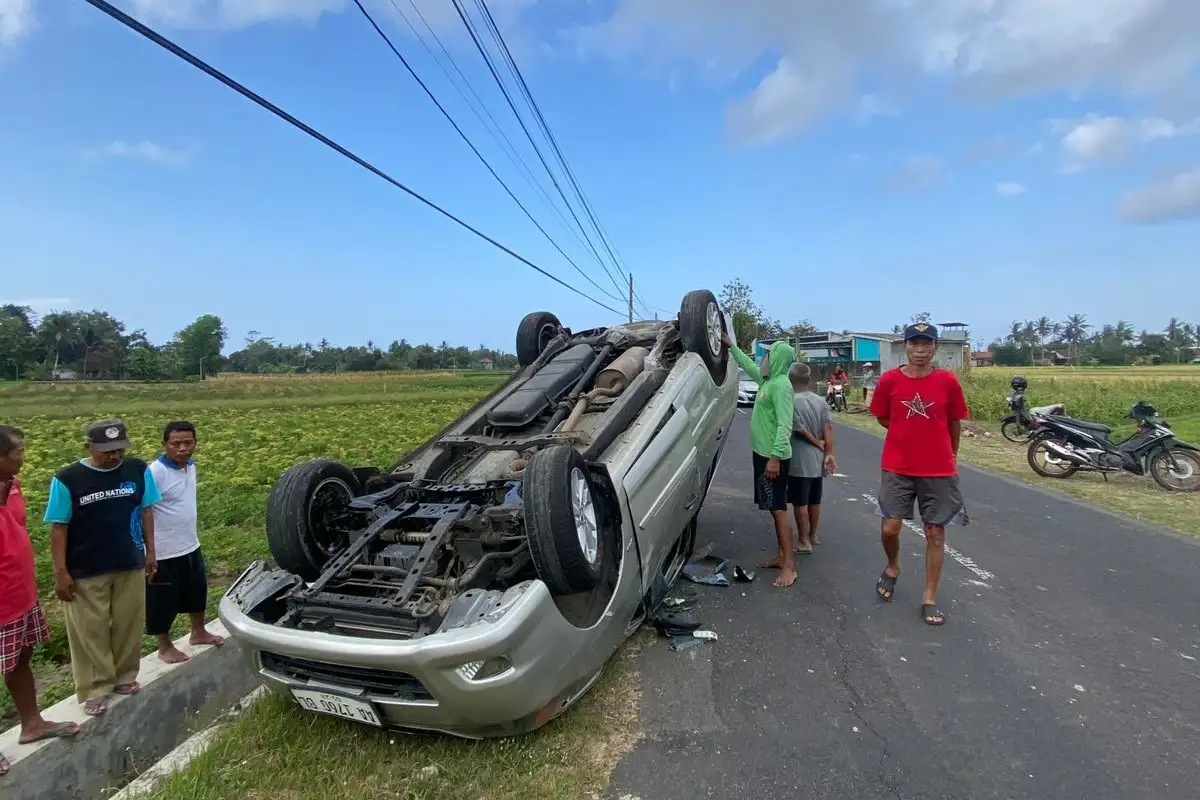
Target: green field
250,431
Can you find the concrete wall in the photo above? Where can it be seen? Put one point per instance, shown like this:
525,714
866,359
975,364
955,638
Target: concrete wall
175,701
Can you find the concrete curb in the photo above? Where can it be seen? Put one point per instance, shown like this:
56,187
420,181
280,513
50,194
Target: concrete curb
183,755
137,731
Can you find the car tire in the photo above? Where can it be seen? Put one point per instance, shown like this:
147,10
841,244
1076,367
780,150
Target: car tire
533,334
565,532
700,328
301,509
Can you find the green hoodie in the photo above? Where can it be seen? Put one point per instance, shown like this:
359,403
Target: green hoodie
771,422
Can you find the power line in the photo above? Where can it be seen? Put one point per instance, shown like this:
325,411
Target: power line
605,238
549,134
475,150
487,59
213,72
494,128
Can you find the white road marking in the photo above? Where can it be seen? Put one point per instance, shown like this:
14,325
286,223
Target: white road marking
967,562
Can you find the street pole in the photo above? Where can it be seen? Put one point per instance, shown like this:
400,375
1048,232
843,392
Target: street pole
631,298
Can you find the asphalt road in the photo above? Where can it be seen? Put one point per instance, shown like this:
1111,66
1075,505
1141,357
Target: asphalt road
1067,667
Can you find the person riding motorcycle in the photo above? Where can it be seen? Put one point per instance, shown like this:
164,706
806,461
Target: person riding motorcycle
838,376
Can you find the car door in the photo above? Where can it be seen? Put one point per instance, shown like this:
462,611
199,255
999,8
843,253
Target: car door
665,478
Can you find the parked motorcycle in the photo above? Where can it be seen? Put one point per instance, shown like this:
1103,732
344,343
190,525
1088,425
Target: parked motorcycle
1018,426
836,397
1066,446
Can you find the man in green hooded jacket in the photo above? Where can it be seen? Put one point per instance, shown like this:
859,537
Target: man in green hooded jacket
771,443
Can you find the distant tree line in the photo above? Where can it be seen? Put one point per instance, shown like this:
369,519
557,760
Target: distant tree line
95,345
1077,341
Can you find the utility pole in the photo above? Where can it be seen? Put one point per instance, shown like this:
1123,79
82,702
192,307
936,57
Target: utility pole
631,298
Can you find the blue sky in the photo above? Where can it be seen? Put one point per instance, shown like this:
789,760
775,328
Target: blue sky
854,163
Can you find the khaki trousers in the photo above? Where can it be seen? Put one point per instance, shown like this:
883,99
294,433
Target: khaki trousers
104,630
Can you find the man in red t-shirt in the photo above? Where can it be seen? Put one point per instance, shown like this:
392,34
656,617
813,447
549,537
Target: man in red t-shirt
922,408
22,623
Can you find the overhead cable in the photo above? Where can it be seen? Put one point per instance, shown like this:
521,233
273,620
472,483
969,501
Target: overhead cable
387,39
167,44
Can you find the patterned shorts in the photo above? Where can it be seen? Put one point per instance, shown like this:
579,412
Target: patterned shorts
29,630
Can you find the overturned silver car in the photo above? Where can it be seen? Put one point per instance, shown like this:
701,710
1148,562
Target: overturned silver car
478,586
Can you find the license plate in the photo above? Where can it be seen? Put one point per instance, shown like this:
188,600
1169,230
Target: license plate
337,706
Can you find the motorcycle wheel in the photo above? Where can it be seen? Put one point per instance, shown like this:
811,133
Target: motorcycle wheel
1054,467
1014,433
1182,476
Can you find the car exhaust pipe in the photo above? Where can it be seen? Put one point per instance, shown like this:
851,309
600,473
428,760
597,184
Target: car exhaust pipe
1067,454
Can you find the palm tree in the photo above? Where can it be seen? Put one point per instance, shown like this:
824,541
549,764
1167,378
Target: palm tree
1044,328
1123,332
1074,331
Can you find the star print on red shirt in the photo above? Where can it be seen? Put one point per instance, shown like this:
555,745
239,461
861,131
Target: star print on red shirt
919,412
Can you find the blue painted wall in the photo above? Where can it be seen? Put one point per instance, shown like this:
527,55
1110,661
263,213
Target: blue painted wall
866,349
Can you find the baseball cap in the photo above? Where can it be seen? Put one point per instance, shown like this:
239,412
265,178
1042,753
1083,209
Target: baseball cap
921,330
108,435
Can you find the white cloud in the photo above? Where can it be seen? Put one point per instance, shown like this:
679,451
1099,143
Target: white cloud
1175,197
1010,189
146,151
16,19
1097,138
989,49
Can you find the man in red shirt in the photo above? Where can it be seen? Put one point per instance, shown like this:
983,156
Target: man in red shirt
922,408
22,623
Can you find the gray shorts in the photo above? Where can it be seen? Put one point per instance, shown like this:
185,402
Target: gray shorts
939,499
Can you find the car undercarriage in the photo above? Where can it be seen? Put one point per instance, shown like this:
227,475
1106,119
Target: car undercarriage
508,493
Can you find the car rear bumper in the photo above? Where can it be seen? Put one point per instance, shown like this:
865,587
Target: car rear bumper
426,684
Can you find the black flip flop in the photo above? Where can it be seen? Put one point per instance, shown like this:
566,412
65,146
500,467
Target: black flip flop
886,583
931,610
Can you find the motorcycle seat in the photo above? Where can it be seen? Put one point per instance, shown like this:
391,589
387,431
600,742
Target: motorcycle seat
1079,423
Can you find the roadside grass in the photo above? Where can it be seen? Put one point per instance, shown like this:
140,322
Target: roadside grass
275,751
1140,498
250,431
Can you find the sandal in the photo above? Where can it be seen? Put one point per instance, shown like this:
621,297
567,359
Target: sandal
61,730
127,689
931,615
96,708
885,587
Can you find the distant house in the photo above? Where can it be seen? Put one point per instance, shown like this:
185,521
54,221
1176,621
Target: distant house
883,351
487,362
984,359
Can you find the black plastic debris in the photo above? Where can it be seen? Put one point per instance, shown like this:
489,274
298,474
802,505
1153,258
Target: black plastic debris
672,625
742,576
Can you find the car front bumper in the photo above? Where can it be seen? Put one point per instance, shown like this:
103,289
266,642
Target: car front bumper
427,684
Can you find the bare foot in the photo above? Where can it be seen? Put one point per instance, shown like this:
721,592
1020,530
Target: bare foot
204,637
47,730
773,562
786,578
172,655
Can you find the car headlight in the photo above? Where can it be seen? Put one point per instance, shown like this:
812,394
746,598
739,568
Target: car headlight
482,670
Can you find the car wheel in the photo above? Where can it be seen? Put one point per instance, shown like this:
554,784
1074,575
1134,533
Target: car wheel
533,334
700,329
302,514
566,539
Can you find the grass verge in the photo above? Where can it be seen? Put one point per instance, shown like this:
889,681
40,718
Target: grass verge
1140,498
279,752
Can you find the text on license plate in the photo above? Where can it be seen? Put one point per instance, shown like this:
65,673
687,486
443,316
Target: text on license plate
337,706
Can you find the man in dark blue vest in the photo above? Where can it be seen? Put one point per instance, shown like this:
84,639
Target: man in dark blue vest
102,542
